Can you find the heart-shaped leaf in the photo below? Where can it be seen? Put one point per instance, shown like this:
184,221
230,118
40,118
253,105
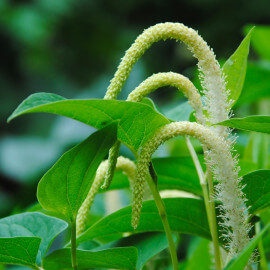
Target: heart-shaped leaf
65,186
33,225
137,121
115,258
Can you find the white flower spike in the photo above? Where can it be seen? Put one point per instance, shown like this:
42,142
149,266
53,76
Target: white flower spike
123,164
224,168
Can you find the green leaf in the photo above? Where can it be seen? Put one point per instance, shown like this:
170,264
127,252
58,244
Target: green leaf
185,215
240,261
258,123
33,225
137,121
148,245
257,190
115,258
261,40
19,250
65,186
235,68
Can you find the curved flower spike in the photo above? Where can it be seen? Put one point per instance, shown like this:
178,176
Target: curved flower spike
179,81
123,164
222,164
213,82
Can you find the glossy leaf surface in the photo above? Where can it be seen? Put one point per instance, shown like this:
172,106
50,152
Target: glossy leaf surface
185,215
65,186
137,121
33,225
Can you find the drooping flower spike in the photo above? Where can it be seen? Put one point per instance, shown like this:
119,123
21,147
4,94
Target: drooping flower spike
217,107
123,164
217,103
224,168
176,80
216,95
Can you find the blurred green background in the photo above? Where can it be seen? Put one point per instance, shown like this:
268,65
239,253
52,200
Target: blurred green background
73,47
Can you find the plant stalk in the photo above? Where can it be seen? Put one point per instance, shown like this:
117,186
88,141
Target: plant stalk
263,260
213,221
73,246
163,216
209,203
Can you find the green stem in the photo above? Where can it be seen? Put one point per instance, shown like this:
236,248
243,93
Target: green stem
163,216
263,260
213,221
209,204
73,246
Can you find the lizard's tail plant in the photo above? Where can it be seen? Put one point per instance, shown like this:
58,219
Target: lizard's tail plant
217,106
211,74
217,103
224,168
123,164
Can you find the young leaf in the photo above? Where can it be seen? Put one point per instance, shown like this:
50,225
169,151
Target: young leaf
137,121
257,190
115,258
33,225
240,261
235,68
19,250
259,123
185,215
65,186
